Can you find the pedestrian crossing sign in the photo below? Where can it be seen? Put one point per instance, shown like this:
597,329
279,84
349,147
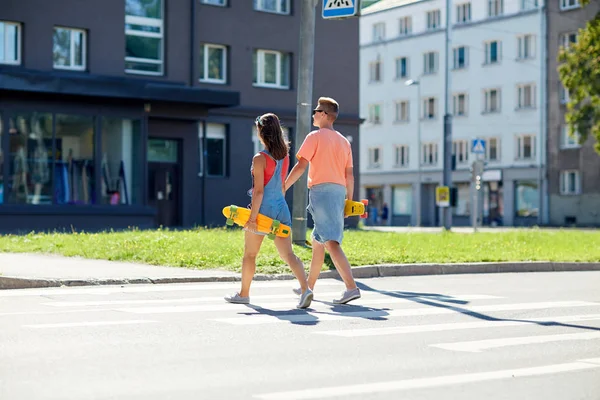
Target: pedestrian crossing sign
340,8
478,146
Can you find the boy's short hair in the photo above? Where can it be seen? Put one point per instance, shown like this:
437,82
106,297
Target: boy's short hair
330,106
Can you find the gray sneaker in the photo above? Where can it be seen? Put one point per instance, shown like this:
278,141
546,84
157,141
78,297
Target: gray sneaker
237,299
297,291
305,299
348,296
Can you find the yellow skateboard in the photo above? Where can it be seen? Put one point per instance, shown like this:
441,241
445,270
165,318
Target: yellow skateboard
354,208
266,225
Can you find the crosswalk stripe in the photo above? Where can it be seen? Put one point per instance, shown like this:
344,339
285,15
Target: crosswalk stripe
368,298
88,323
331,315
477,346
436,381
397,330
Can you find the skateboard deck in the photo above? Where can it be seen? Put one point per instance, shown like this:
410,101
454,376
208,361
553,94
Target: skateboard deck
266,225
354,208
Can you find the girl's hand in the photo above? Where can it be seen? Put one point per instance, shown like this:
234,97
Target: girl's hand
251,226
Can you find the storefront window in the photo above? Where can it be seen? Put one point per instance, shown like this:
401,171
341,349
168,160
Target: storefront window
402,200
74,160
30,157
121,166
463,203
527,199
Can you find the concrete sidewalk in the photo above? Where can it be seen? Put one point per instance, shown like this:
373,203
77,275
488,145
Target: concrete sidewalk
20,271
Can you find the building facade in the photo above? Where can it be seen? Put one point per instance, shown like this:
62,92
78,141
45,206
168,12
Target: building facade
573,168
497,87
126,113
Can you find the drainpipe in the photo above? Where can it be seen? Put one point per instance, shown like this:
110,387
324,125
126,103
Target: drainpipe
543,215
193,43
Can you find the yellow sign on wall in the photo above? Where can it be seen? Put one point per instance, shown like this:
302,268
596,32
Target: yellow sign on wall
442,196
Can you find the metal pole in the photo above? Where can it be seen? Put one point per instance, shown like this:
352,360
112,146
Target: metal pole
419,153
447,179
303,112
543,213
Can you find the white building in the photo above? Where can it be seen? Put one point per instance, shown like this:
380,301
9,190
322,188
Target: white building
497,66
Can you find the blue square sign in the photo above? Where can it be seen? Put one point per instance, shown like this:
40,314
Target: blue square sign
340,8
478,146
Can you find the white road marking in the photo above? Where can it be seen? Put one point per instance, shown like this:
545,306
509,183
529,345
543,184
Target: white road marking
88,323
331,315
453,326
422,383
477,346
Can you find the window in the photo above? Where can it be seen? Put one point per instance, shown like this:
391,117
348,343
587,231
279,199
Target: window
273,6
495,8
460,57
10,43
216,150
405,26
213,63
379,32
122,169
271,69
429,153
570,182
526,45
525,147
375,113
567,39
221,3
563,93
492,101
568,141
460,104
430,64
69,51
429,108
529,4
144,37
526,96
463,201
402,199
433,20
527,199
463,13
401,159
375,71
402,111
401,67
492,149
460,149
374,157
492,52
569,4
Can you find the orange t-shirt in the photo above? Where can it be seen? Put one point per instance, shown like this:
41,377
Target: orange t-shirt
329,154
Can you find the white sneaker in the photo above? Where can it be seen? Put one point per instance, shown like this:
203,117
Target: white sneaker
305,299
348,296
297,291
237,299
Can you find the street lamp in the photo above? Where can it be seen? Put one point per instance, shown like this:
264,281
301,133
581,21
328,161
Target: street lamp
413,82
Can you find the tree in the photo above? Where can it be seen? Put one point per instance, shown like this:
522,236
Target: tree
580,75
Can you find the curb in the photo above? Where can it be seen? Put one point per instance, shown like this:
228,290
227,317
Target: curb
363,272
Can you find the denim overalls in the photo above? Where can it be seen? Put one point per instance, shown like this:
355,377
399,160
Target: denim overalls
273,203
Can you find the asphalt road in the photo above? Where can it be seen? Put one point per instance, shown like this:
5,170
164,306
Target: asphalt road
492,337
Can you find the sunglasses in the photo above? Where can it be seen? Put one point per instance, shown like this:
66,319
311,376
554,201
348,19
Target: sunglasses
258,120
316,111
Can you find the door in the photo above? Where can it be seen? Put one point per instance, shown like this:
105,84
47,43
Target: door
429,216
164,181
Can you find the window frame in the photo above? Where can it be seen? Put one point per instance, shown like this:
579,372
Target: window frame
497,6
566,141
564,178
375,162
399,61
405,26
72,49
434,20
456,104
152,22
204,75
258,5
401,156
375,117
527,5
260,56
526,42
565,39
488,52
212,135
378,32
223,3
521,96
429,150
488,149
425,115
456,58
565,7
463,13
398,107
375,71
427,63
460,147
487,94
520,147
19,43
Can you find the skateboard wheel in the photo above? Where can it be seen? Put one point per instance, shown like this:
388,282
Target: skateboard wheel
229,222
271,236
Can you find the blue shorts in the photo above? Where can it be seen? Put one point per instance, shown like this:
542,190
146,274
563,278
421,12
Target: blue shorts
277,210
326,205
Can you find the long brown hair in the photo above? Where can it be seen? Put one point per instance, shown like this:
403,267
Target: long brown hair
269,130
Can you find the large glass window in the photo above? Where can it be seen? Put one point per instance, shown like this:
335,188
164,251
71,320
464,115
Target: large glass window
402,200
463,203
527,198
144,36
216,160
121,165
271,69
74,160
10,43
213,61
30,157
